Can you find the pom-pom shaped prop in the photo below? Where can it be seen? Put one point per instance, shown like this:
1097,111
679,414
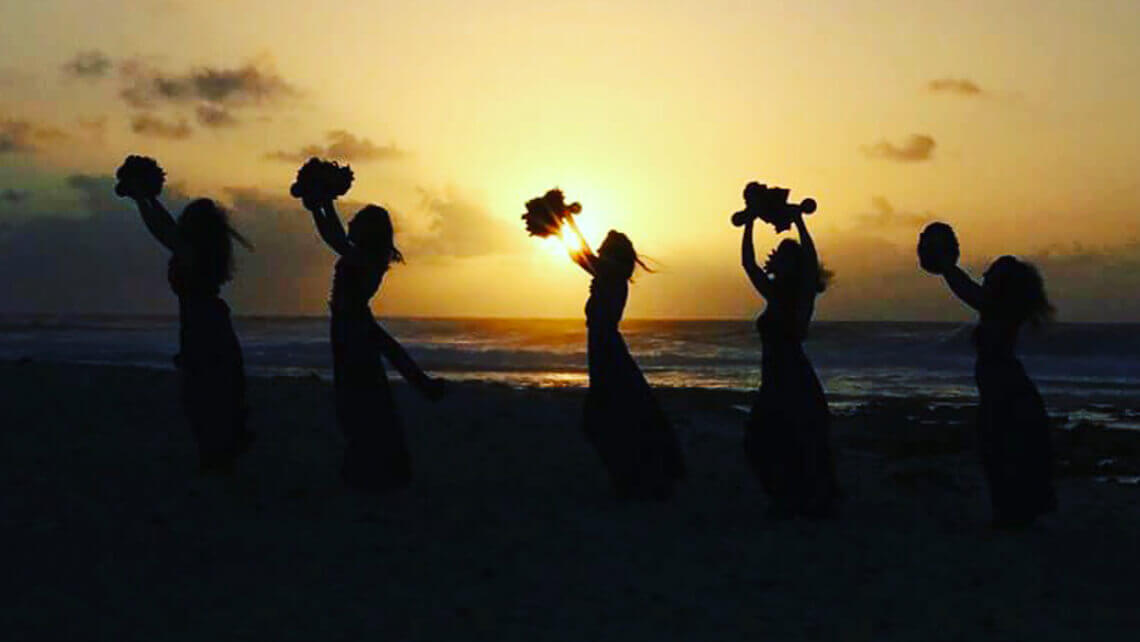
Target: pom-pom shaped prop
545,215
139,177
770,204
319,180
937,248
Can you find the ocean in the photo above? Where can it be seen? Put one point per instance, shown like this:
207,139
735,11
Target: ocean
1092,371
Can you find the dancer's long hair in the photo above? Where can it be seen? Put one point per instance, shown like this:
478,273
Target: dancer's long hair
785,266
1014,291
371,230
618,258
205,227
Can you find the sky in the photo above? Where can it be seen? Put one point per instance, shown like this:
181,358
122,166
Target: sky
1015,121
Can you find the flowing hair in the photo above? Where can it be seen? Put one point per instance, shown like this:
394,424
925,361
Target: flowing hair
371,230
795,253
616,253
1015,291
205,227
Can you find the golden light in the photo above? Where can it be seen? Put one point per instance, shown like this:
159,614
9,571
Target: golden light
592,222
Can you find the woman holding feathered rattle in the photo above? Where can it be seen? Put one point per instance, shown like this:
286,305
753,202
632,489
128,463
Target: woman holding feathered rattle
209,360
376,456
621,417
787,439
1013,427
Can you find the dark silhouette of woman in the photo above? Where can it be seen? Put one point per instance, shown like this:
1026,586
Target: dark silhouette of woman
376,456
210,358
621,417
1012,425
787,439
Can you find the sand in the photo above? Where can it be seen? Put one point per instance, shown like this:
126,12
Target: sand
509,532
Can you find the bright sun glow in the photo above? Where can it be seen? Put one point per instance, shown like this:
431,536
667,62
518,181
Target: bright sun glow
592,222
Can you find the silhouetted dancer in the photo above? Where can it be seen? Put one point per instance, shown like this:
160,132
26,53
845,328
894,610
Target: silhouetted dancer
1012,426
210,358
787,438
622,418
376,456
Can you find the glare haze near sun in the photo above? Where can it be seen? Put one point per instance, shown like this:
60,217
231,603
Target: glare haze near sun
1013,121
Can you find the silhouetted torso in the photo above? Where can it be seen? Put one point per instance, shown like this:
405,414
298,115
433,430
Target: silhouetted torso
210,360
787,439
353,287
376,456
621,417
785,368
604,310
1013,427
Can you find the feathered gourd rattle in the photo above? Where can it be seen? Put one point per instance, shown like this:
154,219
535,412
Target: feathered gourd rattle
770,204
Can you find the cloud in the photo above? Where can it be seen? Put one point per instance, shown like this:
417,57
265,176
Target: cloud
147,125
884,215
19,136
215,116
462,228
342,146
147,87
959,86
917,148
99,261
10,196
880,279
95,127
88,64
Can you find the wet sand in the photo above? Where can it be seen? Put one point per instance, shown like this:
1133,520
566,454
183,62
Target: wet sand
509,531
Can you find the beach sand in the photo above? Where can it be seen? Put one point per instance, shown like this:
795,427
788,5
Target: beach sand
509,531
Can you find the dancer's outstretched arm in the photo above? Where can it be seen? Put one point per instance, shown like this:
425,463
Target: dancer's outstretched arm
809,280
332,232
395,353
964,287
755,273
159,222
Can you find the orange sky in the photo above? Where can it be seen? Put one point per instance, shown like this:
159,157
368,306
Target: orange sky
1011,120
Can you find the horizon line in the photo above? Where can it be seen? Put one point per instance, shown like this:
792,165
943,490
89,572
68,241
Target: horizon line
314,317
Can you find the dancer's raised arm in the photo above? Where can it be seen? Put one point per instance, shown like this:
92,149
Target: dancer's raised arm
332,232
809,277
755,273
963,286
586,259
160,223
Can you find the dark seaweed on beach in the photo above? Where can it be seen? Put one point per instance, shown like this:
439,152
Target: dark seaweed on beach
320,180
545,214
139,176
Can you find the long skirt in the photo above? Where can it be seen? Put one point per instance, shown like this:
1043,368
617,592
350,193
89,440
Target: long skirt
1013,442
787,441
626,426
376,455
212,375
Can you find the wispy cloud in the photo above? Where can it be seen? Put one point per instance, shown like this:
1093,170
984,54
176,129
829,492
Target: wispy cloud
215,116
884,215
148,125
342,146
20,136
958,86
916,148
147,87
461,227
88,64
